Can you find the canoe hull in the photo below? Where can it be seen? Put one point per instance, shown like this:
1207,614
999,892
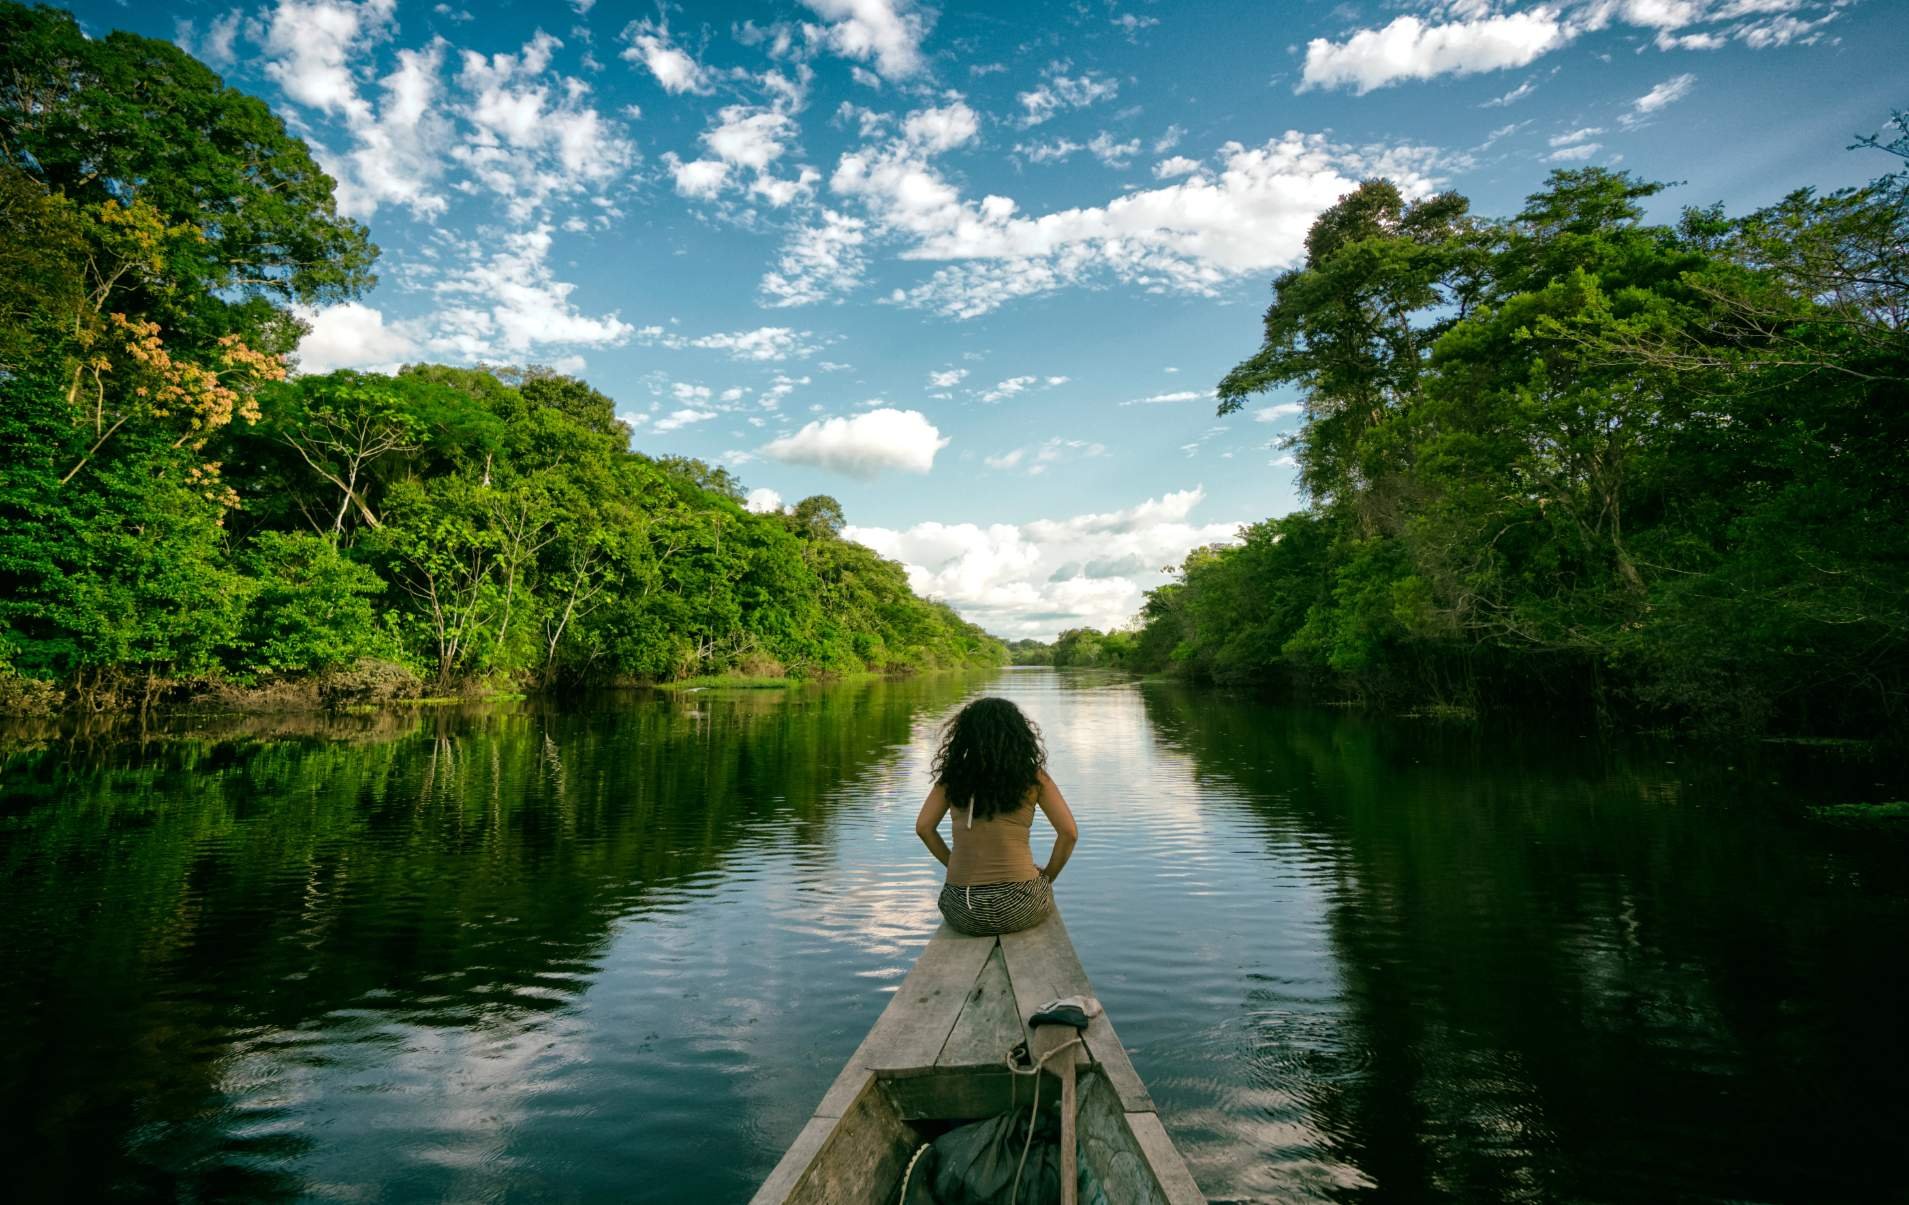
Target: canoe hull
937,1054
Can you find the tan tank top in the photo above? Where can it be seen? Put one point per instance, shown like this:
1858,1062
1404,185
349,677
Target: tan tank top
994,850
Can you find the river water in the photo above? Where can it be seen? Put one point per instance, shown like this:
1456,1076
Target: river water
617,949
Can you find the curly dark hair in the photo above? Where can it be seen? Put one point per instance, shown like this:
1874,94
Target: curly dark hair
989,758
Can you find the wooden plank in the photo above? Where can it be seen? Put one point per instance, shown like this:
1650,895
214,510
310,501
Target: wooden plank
854,1159
913,1028
1109,1146
1164,1160
795,1162
989,1025
964,1094
1043,966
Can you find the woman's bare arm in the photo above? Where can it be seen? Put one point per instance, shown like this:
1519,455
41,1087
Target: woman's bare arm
928,824
1066,832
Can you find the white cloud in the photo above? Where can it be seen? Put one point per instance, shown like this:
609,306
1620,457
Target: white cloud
1512,97
1567,139
763,500
864,445
1038,458
764,344
1178,165
748,136
818,262
1190,236
513,126
745,142
1008,388
352,335
1277,411
948,379
1575,153
506,303
698,179
1169,139
674,68
687,416
215,48
941,129
1408,48
1131,25
1669,92
886,32
1060,92
533,136
1033,579
1169,399
310,45
1113,154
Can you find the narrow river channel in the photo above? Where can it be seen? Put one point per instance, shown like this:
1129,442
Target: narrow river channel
616,950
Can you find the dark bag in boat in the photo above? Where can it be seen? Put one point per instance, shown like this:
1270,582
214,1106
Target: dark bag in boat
974,1165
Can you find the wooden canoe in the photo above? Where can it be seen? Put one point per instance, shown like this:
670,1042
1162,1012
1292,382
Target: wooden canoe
937,1054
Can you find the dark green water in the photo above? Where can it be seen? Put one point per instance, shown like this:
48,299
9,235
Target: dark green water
617,950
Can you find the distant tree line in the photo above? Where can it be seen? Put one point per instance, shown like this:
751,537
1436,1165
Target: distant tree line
174,511
1576,460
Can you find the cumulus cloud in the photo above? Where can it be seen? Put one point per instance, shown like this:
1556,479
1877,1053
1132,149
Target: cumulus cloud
763,500
505,303
512,125
1060,92
1476,38
1192,236
942,128
677,419
1008,388
948,379
1408,48
215,46
887,33
674,68
1033,579
865,445
1178,165
742,148
352,335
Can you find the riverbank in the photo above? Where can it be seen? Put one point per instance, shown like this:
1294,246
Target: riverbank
365,688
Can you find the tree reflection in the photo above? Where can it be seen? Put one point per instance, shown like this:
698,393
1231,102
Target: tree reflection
174,901
1574,970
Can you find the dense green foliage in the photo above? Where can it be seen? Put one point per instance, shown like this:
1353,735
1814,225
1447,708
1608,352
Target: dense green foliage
1574,457
172,509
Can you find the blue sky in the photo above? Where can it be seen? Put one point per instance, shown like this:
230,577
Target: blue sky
975,269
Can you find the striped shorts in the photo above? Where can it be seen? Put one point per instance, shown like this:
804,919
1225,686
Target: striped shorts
988,908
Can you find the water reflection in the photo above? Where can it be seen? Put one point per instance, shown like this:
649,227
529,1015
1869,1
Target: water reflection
618,948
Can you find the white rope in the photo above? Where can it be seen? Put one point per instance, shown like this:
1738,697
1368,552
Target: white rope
919,1152
1034,1110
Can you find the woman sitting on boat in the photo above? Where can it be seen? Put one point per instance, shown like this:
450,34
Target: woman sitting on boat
991,773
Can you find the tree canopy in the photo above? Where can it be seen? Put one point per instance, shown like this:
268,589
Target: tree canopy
175,510
1576,458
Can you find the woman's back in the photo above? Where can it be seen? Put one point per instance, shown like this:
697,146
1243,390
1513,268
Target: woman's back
994,850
